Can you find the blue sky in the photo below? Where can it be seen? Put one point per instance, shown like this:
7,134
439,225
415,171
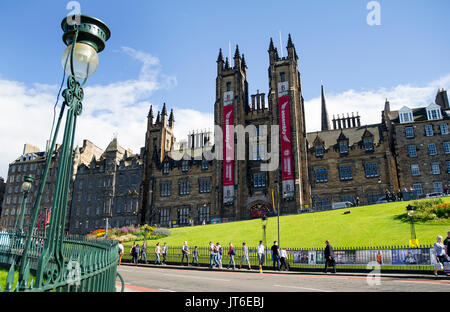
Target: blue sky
357,62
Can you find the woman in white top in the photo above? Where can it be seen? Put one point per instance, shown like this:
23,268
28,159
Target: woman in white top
158,253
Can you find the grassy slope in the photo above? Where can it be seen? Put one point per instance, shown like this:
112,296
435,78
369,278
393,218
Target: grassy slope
374,225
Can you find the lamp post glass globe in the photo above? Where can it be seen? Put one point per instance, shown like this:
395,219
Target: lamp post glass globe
26,186
85,60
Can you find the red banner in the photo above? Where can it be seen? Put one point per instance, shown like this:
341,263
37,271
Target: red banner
228,153
287,165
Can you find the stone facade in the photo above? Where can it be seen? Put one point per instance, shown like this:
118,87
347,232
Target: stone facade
2,193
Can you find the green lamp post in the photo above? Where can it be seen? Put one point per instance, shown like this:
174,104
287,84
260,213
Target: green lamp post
413,242
26,187
84,41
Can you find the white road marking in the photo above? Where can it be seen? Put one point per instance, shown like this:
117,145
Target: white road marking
304,288
168,290
197,277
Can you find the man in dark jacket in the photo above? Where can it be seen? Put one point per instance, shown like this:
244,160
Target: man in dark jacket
329,257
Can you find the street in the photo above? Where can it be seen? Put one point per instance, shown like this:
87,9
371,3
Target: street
147,279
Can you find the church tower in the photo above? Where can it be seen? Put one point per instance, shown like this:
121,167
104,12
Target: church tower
229,109
159,139
287,106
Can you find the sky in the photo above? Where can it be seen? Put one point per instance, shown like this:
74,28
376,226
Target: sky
166,52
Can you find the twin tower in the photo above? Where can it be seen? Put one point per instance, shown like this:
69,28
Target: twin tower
243,188
233,188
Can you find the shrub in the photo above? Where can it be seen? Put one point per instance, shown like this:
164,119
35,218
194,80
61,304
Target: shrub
162,232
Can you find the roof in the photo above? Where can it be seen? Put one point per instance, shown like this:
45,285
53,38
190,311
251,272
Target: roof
354,135
419,114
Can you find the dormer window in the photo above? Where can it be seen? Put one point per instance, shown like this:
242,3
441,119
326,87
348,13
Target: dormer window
185,166
343,147
319,150
166,168
434,112
405,114
368,144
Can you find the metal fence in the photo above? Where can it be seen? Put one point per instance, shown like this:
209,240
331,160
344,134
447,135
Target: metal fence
88,264
389,258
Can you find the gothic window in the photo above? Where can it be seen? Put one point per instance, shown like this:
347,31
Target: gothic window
282,77
228,86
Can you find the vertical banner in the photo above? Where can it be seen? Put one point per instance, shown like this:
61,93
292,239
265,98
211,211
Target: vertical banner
287,165
228,148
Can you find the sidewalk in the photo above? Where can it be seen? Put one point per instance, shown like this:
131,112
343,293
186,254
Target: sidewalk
255,270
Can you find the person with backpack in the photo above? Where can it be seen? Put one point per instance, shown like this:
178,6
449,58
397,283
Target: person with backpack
185,252
231,253
245,257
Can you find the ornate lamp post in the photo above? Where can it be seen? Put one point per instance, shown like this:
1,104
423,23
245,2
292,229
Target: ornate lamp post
264,225
411,210
26,187
85,37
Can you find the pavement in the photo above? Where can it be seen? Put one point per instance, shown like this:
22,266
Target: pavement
177,278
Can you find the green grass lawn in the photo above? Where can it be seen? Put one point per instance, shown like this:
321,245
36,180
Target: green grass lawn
375,225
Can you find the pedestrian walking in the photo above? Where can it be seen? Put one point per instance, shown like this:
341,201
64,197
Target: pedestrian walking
185,253
212,255
260,253
283,259
231,254
121,249
441,257
195,256
133,252
447,244
144,252
136,253
245,257
329,257
275,255
165,248
357,201
158,253
219,253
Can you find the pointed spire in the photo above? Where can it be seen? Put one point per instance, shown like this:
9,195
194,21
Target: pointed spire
290,44
158,118
220,58
164,111
237,54
271,46
150,112
171,118
244,65
325,120
227,64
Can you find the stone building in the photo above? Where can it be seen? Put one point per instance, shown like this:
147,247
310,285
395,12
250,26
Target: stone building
421,141
106,187
31,162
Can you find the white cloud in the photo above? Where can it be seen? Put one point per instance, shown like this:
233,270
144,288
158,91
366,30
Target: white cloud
370,103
